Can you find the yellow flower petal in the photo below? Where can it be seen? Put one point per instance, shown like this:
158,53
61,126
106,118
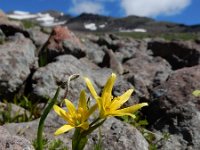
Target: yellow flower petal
71,108
61,112
84,125
122,114
63,129
196,93
91,88
109,85
82,100
131,109
119,101
92,109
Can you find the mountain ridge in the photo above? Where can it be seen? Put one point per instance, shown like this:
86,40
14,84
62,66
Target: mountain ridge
101,23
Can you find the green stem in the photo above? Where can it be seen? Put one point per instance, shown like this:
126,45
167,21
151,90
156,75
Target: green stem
42,119
79,140
96,120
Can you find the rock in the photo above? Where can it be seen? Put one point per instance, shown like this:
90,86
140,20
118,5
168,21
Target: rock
9,28
112,62
93,52
175,110
13,110
108,41
13,142
115,134
61,41
128,49
39,38
17,58
151,71
46,79
121,86
2,37
178,54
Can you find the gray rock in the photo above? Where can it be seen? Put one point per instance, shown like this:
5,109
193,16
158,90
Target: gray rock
2,37
178,54
46,79
17,58
175,110
39,38
144,71
108,41
93,52
113,62
12,142
9,28
14,110
115,134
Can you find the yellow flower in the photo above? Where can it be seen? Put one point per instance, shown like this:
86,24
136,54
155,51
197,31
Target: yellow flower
76,118
196,93
109,106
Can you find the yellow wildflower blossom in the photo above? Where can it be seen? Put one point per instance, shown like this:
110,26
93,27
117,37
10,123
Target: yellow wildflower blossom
76,118
109,105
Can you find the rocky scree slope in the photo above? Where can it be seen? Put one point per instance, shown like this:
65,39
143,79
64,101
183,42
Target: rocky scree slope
163,73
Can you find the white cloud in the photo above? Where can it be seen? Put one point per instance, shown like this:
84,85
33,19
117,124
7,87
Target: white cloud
87,6
152,8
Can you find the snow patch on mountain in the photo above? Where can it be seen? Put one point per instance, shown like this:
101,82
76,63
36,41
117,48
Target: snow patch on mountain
43,19
90,26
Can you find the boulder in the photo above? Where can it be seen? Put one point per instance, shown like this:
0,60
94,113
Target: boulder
17,59
114,133
175,110
39,38
179,54
9,28
46,79
150,70
118,135
61,41
12,142
93,51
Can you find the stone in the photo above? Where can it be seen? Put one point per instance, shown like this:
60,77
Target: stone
13,142
151,71
13,110
111,61
175,110
178,54
9,28
61,41
46,79
39,38
115,134
93,51
17,59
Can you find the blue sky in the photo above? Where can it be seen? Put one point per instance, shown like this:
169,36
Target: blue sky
181,11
